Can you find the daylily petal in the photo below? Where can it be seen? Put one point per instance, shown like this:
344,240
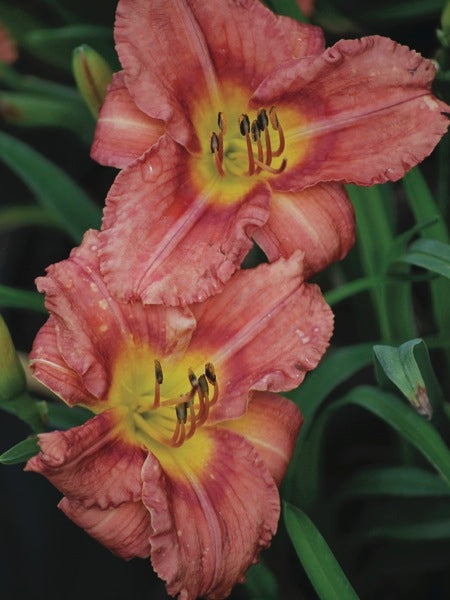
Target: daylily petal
319,220
271,425
369,112
91,464
90,337
163,241
201,43
123,132
210,525
124,529
266,336
50,368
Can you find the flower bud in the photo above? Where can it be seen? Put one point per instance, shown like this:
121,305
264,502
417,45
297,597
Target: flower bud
92,74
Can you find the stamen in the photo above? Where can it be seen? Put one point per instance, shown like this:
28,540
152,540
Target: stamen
211,376
179,435
263,123
276,125
244,126
158,381
222,123
216,146
256,134
203,394
270,169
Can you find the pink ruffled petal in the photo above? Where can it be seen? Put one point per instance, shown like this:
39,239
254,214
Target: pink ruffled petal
271,425
91,464
203,43
370,115
49,367
265,331
209,526
163,241
123,132
124,529
92,328
319,220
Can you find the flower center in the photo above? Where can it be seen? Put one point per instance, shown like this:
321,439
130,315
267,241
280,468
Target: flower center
159,412
258,156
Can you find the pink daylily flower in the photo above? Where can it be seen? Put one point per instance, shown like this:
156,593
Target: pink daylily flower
189,439
232,123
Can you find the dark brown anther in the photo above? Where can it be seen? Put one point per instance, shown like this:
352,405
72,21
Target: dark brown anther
210,373
214,143
222,122
158,372
181,410
204,387
244,124
255,131
262,119
192,378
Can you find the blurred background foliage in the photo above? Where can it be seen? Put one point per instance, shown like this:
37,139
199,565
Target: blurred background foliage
365,502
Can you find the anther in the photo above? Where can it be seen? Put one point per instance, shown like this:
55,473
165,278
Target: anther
216,146
211,376
244,126
192,378
262,119
158,382
222,122
276,125
203,394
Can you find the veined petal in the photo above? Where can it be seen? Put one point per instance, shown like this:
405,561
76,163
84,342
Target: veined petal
91,464
124,529
369,114
271,424
165,241
92,328
176,54
270,328
49,367
210,525
319,220
123,132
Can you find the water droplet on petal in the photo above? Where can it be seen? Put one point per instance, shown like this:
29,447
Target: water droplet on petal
151,169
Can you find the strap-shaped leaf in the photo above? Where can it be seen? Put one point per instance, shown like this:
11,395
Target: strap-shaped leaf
54,190
21,452
320,564
429,254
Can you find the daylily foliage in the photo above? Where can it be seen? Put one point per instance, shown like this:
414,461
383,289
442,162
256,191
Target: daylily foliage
189,439
234,124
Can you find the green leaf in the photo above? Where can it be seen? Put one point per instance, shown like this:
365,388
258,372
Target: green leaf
14,298
389,408
62,416
288,8
12,376
400,365
21,452
261,584
404,481
35,110
319,562
401,11
54,190
26,215
430,254
55,46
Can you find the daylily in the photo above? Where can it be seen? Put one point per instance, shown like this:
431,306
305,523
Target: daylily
189,441
230,122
